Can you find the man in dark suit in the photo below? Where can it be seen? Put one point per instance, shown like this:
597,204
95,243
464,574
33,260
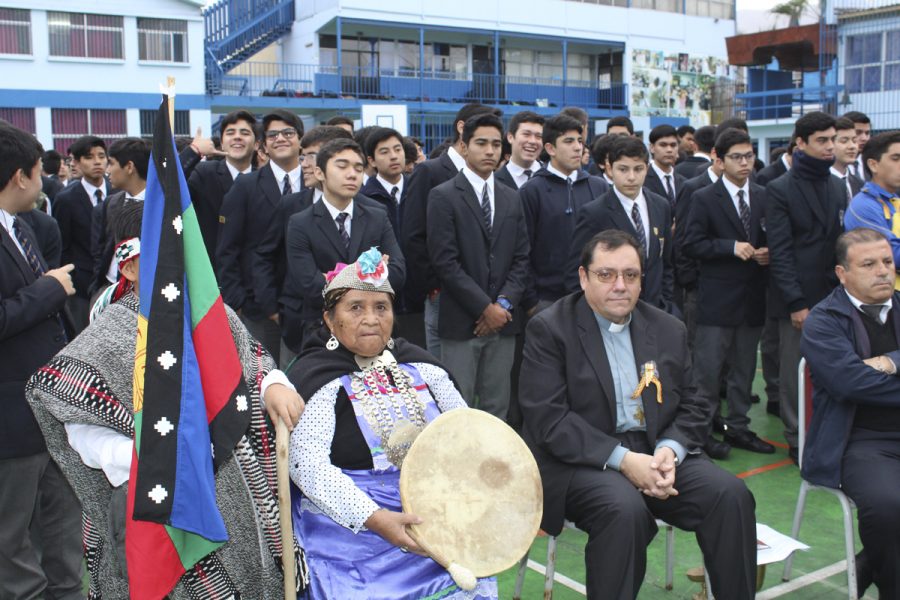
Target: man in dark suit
778,165
662,179
35,498
639,212
478,244
845,154
73,210
52,164
247,211
422,291
525,137
724,233
128,162
212,179
851,341
804,215
277,293
608,457
336,229
704,140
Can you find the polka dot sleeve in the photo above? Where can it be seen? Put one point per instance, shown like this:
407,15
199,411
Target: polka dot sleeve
445,393
311,469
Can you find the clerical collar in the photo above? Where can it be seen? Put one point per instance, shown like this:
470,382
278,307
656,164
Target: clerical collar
607,325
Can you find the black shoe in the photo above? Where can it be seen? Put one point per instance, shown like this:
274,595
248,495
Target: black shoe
719,425
794,453
716,449
754,399
747,440
773,408
863,573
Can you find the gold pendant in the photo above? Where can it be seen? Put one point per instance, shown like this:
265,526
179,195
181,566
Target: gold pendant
648,377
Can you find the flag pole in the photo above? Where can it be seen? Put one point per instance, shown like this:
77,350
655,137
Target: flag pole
170,84
288,563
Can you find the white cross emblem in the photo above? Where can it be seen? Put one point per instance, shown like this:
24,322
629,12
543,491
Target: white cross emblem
241,402
212,450
176,223
167,359
163,426
158,494
171,292
164,163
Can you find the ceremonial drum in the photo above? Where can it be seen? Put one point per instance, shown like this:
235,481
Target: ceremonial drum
477,488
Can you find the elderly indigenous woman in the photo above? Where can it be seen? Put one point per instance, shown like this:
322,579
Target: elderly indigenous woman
368,396
82,400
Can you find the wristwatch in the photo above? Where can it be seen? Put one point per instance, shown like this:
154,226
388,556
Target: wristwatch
504,302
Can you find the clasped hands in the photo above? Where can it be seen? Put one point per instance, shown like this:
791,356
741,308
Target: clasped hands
493,319
882,363
653,475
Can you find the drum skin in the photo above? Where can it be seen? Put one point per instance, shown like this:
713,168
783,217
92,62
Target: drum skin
477,488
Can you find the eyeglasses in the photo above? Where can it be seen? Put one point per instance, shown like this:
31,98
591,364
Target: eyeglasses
611,275
311,156
288,133
739,158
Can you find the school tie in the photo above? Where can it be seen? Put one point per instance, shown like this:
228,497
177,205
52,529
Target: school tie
847,188
28,248
639,227
528,174
98,194
873,311
670,191
286,188
744,210
486,208
341,220
395,207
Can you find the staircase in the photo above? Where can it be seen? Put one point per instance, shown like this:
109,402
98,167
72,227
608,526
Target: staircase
238,29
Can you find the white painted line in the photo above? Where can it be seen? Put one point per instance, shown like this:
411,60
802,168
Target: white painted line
803,581
558,577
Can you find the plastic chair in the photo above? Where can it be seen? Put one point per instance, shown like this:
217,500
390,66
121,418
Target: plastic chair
550,568
804,414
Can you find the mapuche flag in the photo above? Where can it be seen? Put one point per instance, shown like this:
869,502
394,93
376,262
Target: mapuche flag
190,398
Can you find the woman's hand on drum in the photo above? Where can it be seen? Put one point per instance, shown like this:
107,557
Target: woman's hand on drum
391,525
283,403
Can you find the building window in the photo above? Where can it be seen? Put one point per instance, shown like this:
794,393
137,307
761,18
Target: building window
442,60
663,5
863,58
85,36
717,9
69,124
162,40
15,31
182,122
23,118
892,60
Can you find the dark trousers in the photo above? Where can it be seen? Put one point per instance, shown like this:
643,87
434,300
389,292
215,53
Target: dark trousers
713,347
40,531
410,327
769,349
620,523
870,475
789,354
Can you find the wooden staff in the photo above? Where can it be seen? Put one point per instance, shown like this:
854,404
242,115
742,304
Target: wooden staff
288,562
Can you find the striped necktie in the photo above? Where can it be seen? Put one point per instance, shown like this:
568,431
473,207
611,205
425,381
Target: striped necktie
28,248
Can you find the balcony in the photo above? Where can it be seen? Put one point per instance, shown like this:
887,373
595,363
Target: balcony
369,84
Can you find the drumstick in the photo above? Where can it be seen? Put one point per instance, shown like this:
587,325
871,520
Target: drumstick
462,576
282,443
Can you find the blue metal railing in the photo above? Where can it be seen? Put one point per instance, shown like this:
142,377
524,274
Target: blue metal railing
787,103
369,83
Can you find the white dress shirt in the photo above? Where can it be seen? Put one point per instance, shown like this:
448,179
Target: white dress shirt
388,186
234,170
845,177
91,190
712,175
295,177
628,203
733,192
662,176
8,219
334,212
478,186
317,195
885,306
458,161
518,173
571,176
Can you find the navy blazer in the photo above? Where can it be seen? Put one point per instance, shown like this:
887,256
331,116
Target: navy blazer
247,210
686,269
314,247
475,267
422,278
802,229
74,211
505,177
658,186
606,212
771,172
731,291
47,232
374,190
834,343
208,184
30,335
689,166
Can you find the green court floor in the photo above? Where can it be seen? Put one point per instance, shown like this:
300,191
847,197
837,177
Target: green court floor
774,482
